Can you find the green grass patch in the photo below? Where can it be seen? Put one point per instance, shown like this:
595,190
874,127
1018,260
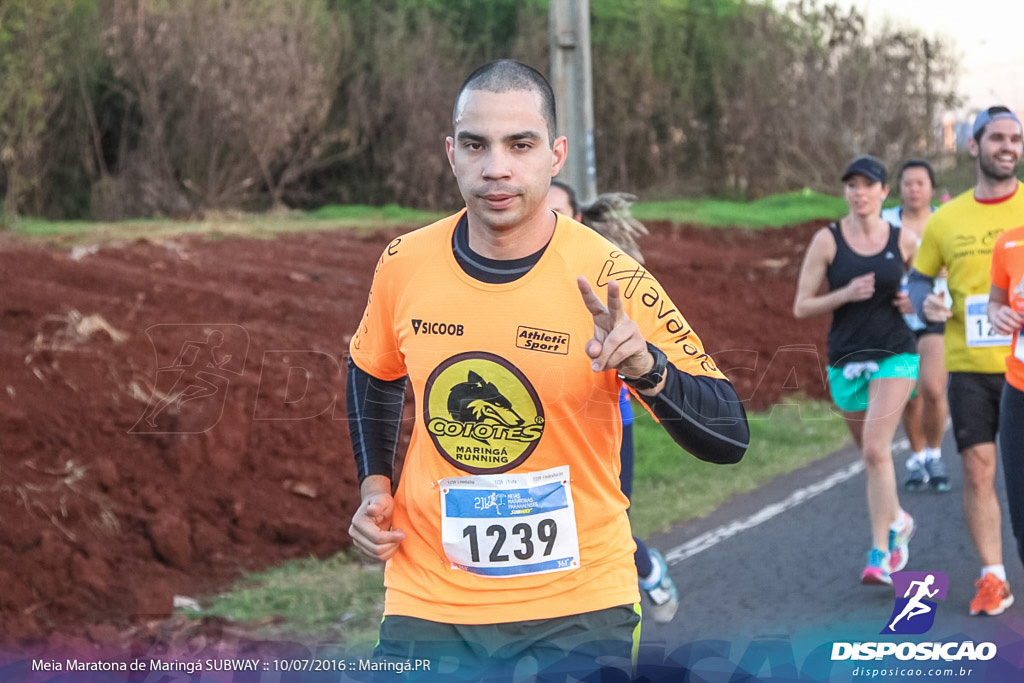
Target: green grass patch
340,599
39,227
670,486
386,214
222,225
775,211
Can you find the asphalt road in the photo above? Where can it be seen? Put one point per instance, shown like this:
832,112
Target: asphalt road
771,581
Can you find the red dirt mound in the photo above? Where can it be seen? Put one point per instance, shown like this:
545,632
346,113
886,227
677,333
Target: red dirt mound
172,412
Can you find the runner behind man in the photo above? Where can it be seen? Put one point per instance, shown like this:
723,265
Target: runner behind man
924,418
859,261
959,237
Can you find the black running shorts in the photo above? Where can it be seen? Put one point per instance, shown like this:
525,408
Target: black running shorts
974,407
575,646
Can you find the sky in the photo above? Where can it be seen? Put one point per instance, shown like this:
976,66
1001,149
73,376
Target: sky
988,37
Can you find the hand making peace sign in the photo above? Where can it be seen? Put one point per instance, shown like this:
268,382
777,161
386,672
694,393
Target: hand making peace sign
617,343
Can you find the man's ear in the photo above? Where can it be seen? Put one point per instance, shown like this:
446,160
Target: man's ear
449,151
559,153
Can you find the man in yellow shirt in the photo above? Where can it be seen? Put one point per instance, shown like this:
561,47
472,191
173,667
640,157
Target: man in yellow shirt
507,542
960,236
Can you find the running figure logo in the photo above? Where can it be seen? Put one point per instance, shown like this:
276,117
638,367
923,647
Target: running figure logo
190,387
494,500
914,612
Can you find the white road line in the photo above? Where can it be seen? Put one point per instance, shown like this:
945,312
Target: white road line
712,538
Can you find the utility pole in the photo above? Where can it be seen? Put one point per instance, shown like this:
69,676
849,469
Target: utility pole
929,96
569,31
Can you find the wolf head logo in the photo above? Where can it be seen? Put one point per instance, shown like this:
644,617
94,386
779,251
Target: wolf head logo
477,400
482,413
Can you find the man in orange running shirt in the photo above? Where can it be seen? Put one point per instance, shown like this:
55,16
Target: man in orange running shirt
507,543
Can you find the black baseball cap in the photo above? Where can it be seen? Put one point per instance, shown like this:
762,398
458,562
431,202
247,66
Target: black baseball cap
867,166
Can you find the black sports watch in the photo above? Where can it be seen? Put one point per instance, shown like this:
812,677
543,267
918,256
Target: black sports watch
653,376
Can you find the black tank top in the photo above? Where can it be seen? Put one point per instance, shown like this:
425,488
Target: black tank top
873,329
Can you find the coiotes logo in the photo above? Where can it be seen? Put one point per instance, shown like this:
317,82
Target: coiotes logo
482,413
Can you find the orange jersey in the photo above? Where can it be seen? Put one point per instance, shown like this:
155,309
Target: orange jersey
1008,273
509,495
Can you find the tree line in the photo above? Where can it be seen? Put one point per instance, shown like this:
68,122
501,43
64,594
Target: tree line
112,109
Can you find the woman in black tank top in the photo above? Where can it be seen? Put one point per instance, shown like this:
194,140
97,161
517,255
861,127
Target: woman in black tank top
852,270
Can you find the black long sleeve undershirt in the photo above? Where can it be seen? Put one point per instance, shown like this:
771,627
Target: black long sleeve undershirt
374,409
703,415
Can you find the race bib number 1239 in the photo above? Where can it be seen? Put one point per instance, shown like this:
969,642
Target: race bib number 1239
508,525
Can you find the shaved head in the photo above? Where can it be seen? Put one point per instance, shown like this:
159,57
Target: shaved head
507,75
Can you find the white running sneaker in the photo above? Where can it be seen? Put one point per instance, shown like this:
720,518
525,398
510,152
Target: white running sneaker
663,594
899,543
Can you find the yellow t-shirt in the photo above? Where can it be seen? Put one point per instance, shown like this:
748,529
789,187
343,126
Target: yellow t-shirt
960,236
509,495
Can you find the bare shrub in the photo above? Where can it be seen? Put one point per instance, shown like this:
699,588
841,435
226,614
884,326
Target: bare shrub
401,106
820,89
233,97
37,45
398,104
641,79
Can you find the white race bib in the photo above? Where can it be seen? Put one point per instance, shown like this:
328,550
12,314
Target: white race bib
979,330
1018,347
507,525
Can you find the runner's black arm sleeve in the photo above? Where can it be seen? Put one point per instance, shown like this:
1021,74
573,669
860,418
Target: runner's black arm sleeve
919,286
374,420
703,415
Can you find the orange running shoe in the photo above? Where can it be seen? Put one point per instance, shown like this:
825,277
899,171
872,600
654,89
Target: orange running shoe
993,596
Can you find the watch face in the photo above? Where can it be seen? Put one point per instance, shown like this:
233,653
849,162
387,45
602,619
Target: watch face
654,375
653,379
